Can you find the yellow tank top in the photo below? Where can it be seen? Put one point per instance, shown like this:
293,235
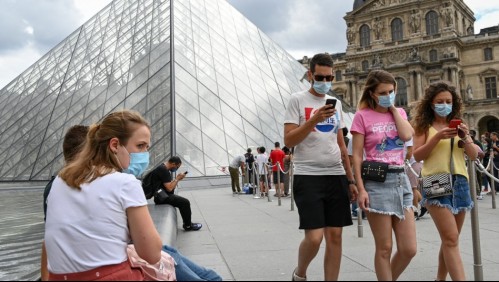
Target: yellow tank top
439,159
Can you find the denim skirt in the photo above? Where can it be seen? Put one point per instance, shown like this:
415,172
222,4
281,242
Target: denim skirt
392,197
459,201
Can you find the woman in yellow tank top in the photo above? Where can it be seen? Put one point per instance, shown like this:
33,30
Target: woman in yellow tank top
432,143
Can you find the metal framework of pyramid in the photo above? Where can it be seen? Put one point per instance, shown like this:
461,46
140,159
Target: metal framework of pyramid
208,81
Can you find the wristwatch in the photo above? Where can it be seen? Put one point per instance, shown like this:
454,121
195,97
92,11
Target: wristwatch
352,182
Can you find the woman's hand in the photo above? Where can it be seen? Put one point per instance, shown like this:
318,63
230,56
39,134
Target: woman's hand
363,200
446,133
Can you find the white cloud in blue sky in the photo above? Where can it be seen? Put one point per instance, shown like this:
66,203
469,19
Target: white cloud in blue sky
30,28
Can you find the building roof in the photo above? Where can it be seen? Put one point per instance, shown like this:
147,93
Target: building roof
358,4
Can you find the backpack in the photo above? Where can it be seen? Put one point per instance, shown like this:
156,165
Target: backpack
148,185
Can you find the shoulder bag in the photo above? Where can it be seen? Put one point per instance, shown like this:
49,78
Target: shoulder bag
439,185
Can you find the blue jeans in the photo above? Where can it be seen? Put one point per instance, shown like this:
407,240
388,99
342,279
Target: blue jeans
186,270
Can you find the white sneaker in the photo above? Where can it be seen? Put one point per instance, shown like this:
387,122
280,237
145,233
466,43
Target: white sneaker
479,197
297,278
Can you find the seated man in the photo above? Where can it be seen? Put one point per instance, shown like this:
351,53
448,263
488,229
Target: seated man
162,178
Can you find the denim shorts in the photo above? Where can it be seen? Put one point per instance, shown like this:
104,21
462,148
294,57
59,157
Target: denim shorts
459,201
392,197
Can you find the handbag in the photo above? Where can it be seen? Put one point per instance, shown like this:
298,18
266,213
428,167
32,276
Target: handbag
374,171
439,185
161,195
164,270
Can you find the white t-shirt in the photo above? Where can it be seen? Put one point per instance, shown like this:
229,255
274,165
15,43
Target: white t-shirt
261,160
88,228
319,153
236,162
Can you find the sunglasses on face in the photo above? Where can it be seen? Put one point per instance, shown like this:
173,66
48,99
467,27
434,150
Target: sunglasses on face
318,77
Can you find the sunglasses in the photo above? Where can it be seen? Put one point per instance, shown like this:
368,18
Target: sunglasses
461,135
318,77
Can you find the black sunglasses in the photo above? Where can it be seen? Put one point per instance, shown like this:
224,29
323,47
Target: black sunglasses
318,77
461,135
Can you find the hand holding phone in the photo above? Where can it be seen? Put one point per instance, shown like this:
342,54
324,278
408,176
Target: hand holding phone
331,102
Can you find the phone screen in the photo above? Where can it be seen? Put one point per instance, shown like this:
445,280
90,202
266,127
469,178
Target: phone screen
331,102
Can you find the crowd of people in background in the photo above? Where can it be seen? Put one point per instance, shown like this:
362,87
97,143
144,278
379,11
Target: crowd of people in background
96,202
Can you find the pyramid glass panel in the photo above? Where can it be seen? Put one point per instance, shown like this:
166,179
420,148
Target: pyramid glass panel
209,82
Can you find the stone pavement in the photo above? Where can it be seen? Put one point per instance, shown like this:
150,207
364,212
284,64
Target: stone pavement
244,239
251,239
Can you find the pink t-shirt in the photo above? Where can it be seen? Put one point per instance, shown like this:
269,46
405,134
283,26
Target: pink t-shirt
381,139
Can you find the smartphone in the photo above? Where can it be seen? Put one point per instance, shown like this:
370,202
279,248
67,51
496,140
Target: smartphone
185,173
454,123
331,102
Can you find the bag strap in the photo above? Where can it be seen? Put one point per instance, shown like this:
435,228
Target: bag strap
452,156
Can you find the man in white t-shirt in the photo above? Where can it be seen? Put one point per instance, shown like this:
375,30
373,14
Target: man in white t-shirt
261,159
323,187
237,162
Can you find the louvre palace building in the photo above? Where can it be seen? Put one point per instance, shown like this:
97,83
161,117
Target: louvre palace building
210,83
419,42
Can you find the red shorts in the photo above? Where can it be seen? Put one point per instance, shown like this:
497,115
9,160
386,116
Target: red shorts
116,272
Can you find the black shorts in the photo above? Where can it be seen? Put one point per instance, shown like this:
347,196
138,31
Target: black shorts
322,201
275,176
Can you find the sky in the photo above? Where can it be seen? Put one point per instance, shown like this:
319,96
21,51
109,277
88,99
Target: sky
30,28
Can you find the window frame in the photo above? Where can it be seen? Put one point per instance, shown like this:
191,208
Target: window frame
432,23
491,87
488,55
397,27
365,35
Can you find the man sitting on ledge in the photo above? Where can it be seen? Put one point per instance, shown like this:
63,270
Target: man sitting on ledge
162,178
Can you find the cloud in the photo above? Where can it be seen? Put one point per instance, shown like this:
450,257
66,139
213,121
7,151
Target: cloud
36,22
300,27
17,61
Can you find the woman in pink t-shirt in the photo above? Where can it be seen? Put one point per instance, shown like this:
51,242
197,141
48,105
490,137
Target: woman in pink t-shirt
381,130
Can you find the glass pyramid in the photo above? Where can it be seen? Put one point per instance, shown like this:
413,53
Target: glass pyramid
208,81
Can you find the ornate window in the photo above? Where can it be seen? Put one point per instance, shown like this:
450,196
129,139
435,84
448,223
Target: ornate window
491,87
365,36
433,55
337,76
432,23
487,53
365,65
397,30
401,100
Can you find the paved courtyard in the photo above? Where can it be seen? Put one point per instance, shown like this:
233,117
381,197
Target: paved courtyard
245,239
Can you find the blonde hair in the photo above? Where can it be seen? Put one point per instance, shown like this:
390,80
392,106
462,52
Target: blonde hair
96,159
374,79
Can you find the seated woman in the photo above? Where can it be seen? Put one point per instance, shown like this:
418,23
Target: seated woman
95,209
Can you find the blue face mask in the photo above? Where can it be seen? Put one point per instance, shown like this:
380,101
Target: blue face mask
138,163
387,101
443,110
322,87
174,169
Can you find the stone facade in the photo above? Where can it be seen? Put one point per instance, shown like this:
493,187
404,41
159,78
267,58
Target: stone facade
421,41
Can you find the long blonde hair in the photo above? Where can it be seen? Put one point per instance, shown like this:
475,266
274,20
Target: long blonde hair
96,159
374,79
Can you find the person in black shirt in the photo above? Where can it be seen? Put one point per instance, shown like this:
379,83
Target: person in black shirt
250,159
162,178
